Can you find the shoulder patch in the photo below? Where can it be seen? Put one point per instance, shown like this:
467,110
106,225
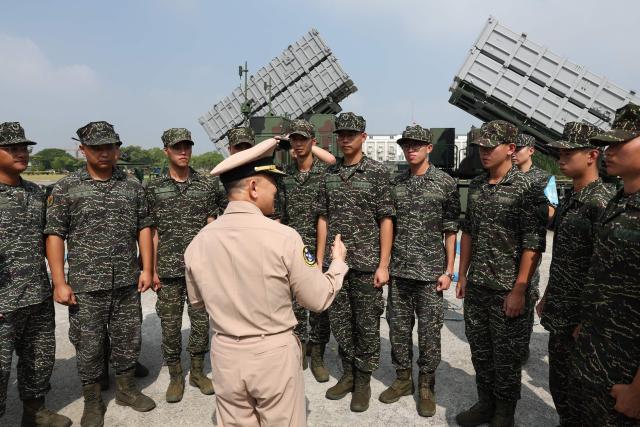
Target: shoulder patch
50,200
308,257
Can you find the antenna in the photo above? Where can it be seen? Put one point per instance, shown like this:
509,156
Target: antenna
245,108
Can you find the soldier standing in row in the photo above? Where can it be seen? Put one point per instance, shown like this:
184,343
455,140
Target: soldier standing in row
356,201
608,337
301,187
574,225
27,319
503,235
240,139
181,202
102,214
427,210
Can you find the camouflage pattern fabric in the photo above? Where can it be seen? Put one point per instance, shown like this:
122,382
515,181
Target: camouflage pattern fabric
496,132
100,221
12,133
415,133
350,122
242,134
172,136
98,133
169,307
575,224
562,375
23,272
625,126
179,211
354,199
426,207
119,310
524,140
302,315
355,321
406,298
320,327
30,332
503,220
608,346
575,135
497,342
302,128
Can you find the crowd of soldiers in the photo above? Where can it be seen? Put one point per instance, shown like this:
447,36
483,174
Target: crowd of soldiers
121,238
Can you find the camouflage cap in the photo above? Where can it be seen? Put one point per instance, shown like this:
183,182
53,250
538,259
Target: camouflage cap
496,132
524,140
302,128
415,133
576,135
11,133
625,127
172,136
350,122
98,133
242,134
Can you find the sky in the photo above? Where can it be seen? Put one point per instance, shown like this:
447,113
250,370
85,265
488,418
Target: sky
148,65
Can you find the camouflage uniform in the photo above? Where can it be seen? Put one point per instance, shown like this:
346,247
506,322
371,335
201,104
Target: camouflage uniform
574,225
427,206
354,199
179,210
28,324
100,221
502,219
608,346
301,190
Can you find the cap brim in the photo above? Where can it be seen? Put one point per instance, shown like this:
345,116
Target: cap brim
485,142
301,133
403,140
103,141
568,145
178,142
613,136
242,141
347,130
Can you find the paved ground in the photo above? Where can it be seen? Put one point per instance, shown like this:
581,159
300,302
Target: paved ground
455,386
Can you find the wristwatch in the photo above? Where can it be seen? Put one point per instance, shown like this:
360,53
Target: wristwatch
449,275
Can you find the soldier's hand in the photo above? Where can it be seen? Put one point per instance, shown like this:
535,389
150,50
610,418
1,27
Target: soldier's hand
514,304
63,294
461,287
540,307
444,282
627,398
338,250
156,283
381,277
144,281
576,331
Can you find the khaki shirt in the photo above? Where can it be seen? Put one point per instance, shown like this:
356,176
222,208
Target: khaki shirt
246,269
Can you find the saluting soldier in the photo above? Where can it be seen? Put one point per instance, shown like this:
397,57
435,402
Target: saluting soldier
27,318
102,214
181,202
574,226
608,337
503,235
427,209
356,202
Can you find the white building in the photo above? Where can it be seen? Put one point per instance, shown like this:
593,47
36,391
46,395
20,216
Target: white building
383,148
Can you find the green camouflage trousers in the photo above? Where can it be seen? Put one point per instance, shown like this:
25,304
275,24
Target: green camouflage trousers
530,308
119,311
355,320
170,306
30,331
497,342
562,375
409,299
318,331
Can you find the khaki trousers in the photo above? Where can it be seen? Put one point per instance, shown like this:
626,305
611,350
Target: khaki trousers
258,380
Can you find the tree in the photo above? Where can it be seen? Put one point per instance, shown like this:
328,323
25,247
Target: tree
54,158
206,161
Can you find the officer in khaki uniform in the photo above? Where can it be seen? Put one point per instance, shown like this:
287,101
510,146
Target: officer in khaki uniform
246,269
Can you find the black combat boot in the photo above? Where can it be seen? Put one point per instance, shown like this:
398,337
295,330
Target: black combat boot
175,390
127,394
197,378
35,414
94,407
427,401
361,391
402,386
480,413
505,414
320,373
344,385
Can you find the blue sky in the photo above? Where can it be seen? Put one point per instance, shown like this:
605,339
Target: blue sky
147,65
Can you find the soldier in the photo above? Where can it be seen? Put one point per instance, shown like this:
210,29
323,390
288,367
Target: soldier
245,269
356,202
523,158
27,319
503,235
181,202
608,337
574,225
102,214
301,188
427,210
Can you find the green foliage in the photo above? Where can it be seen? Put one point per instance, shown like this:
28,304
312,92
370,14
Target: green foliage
206,161
54,159
547,163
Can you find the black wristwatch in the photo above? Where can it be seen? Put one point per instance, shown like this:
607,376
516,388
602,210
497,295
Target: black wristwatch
449,275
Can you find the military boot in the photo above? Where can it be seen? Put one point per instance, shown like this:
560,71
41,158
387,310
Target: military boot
35,414
94,407
344,385
305,362
175,390
427,401
504,415
480,413
361,391
104,379
320,373
127,394
402,386
197,378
